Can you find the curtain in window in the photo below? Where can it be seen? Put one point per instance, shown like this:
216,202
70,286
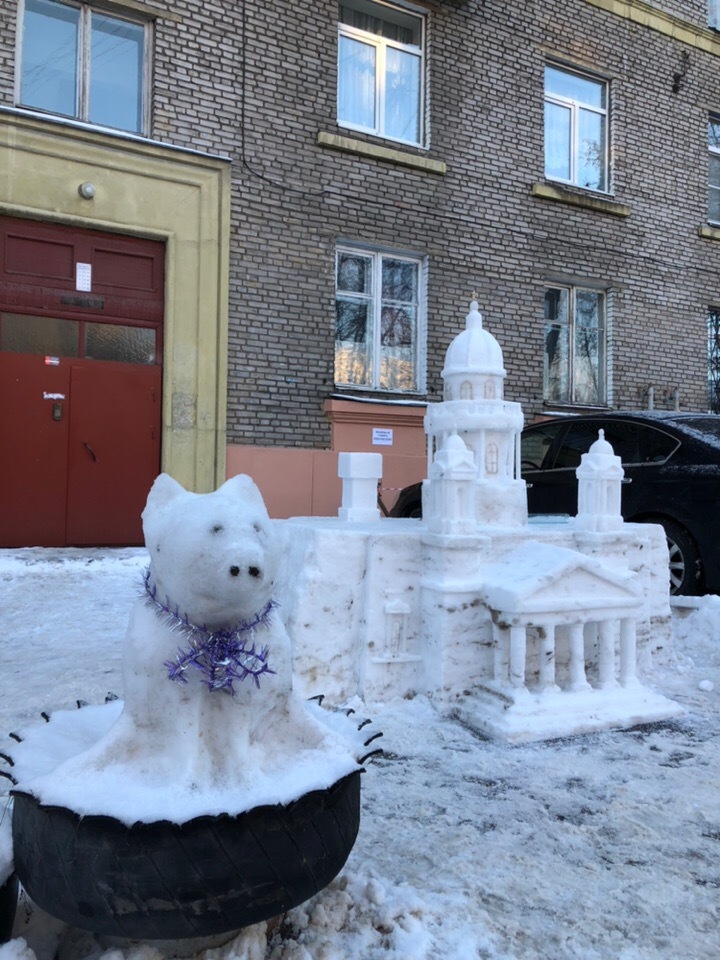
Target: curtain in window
402,95
356,82
557,141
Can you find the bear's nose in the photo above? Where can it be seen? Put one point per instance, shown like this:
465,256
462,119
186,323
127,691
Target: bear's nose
253,571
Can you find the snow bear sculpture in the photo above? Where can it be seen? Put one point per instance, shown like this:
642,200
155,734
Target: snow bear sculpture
212,797
210,722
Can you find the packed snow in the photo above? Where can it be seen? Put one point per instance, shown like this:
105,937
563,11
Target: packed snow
599,846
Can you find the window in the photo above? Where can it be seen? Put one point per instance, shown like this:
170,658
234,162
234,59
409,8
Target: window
714,14
574,360
59,337
379,323
380,70
575,129
713,360
714,168
83,63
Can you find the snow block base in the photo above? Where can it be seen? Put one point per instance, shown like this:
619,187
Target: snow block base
520,716
166,881
8,904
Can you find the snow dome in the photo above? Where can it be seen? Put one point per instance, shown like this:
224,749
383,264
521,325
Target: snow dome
473,362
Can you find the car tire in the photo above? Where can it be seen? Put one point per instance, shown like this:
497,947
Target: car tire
684,562
169,881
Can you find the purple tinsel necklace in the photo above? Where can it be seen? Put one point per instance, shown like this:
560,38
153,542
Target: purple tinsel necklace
221,656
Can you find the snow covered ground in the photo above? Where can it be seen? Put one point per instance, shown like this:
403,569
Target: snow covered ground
597,847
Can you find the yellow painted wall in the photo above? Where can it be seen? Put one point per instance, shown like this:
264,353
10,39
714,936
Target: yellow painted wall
145,189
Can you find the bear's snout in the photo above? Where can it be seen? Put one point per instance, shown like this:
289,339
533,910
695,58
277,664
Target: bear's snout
253,571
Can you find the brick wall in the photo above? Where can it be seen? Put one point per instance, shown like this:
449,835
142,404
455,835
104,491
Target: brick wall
478,224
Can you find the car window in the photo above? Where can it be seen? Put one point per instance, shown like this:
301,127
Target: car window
623,437
535,444
656,445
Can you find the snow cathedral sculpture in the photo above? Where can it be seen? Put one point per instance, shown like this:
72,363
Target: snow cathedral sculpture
213,797
523,628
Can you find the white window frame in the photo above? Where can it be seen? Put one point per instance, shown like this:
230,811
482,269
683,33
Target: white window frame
374,298
714,151
603,351
82,92
381,44
574,106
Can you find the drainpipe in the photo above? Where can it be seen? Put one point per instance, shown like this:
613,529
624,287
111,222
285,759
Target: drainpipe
651,398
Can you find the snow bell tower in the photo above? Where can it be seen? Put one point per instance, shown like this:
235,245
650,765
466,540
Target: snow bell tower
490,427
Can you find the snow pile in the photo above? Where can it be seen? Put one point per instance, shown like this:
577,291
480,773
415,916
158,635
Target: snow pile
600,846
46,760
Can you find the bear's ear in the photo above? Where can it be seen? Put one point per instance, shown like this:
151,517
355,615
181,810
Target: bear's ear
242,487
162,492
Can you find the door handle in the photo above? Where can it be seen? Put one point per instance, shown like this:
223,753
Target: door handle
90,451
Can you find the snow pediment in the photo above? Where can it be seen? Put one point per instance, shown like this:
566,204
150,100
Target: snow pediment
539,578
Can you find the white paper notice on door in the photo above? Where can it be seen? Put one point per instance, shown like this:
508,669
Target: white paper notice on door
83,277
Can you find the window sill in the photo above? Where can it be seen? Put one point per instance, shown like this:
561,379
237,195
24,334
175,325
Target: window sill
709,233
364,149
559,409
400,400
590,202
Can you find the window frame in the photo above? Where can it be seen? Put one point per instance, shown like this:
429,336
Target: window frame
83,62
603,348
575,106
377,254
713,151
381,44
713,359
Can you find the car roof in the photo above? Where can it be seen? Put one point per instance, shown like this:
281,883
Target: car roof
704,427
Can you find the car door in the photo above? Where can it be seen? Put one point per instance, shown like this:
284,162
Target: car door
554,485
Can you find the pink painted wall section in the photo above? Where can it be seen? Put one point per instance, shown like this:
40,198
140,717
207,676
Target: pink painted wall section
304,483
299,482
367,427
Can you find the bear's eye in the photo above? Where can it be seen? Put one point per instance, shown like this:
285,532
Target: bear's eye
218,528
257,528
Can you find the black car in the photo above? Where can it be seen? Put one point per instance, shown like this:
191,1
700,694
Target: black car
672,477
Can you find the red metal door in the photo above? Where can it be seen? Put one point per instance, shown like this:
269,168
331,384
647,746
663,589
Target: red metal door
76,470
34,401
114,450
